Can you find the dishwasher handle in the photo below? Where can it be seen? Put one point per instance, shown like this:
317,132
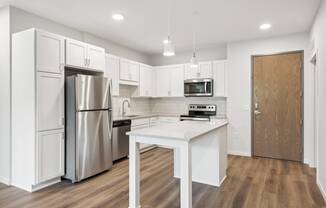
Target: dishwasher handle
121,123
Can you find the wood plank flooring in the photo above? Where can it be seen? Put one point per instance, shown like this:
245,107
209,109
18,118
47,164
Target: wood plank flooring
251,183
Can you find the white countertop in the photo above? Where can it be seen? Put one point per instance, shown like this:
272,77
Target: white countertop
119,118
182,130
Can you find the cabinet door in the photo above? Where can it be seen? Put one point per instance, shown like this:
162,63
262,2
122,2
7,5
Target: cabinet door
96,58
145,81
112,72
49,155
124,70
50,101
191,73
219,69
205,70
134,71
76,53
163,82
142,145
177,77
49,52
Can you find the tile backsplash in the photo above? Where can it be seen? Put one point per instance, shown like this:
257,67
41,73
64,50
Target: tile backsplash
162,105
180,105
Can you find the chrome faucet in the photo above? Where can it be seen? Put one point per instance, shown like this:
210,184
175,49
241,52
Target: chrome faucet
123,107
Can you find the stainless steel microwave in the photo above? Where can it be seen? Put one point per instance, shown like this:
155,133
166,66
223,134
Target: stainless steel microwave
198,87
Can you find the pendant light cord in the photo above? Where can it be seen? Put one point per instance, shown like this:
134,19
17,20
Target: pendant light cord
194,33
169,19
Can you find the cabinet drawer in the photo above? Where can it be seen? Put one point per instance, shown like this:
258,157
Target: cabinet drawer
141,121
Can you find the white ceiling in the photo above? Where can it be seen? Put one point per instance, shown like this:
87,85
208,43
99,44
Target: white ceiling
145,24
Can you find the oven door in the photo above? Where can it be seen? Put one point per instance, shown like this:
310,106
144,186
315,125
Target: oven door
198,88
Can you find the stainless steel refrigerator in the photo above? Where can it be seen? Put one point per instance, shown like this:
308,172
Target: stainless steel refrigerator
88,127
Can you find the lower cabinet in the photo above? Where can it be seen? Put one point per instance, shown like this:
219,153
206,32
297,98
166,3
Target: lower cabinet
139,124
49,155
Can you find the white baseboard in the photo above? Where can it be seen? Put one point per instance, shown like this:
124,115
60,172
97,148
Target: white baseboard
245,154
308,162
322,190
4,180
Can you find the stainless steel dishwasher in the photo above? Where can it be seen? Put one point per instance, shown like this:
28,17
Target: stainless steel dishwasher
120,141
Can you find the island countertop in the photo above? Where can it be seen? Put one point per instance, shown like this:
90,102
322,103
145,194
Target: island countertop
183,130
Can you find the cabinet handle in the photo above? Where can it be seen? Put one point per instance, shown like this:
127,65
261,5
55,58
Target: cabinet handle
61,67
85,62
89,62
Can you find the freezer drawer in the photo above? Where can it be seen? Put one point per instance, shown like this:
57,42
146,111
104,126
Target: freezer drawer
93,143
92,93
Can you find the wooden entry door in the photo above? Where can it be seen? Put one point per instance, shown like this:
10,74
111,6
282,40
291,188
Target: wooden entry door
277,92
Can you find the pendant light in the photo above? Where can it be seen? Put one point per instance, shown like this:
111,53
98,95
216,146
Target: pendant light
169,49
193,60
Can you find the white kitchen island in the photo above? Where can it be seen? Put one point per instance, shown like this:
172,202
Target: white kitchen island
200,155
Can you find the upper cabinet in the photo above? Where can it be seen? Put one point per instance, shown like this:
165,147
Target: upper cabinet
49,52
83,55
145,87
96,57
204,70
129,72
169,81
220,78
112,72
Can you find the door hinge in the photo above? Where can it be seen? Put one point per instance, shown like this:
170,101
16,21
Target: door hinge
301,93
301,122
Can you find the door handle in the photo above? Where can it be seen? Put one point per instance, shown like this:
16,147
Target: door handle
257,113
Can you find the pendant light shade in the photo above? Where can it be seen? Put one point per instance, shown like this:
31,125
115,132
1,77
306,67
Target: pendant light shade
194,61
169,49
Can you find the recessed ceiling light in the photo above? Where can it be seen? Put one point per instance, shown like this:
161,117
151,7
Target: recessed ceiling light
166,41
117,17
265,26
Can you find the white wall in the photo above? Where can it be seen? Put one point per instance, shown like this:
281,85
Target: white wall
239,80
318,39
22,20
5,95
215,52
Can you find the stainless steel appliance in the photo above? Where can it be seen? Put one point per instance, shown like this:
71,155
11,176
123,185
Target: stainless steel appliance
198,87
199,112
88,126
120,141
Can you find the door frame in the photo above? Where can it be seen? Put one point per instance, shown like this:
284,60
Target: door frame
252,105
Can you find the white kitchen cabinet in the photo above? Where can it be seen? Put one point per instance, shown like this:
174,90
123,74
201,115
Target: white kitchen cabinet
176,84
204,70
112,72
169,81
76,53
83,55
145,87
96,57
50,101
50,52
220,78
50,155
162,82
140,124
37,110
129,72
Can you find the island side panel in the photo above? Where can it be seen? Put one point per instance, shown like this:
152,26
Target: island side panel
209,158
